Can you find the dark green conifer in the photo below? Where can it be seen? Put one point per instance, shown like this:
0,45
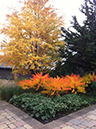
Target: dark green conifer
81,41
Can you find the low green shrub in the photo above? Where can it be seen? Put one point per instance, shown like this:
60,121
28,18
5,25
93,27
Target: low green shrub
73,101
37,105
93,86
43,107
7,92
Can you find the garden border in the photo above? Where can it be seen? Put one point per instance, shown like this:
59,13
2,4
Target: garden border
36,124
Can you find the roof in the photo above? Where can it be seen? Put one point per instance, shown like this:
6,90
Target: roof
2,66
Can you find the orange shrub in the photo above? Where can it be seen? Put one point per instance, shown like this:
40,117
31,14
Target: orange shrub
56,85
76,83
34,82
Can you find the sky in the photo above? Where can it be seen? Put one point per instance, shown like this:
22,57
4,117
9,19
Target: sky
67,7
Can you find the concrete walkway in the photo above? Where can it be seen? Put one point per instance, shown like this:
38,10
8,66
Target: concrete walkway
13,118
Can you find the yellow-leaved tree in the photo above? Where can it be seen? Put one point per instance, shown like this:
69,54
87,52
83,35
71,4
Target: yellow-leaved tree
33,35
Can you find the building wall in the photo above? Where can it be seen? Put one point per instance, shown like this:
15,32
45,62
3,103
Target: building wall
6,73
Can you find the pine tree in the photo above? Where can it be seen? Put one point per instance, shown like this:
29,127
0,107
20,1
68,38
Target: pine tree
81,43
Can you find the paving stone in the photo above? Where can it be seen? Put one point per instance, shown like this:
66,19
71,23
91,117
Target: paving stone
11,117
93,128
68,127
80,117
84,115
13,121
64,119
88,119
12,126
45,127
2,117
19,123
82,120
75,121
57,128
3,126
27,126
63,125
4,114
68,123
89,124
18,119
8,116
82,126
92,117
53,124
20,127
2,111
8,111
3,122
12,114
75,127
7,122
24,116
90,113
15,117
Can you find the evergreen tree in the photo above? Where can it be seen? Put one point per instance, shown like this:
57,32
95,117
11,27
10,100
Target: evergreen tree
81,43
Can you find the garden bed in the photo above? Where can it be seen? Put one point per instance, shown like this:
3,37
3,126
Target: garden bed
51,105
46,109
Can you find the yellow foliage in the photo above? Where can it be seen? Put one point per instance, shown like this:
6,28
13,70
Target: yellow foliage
33,37
88,78
54,86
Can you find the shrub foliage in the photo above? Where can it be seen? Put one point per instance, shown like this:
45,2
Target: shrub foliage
54,86
43,107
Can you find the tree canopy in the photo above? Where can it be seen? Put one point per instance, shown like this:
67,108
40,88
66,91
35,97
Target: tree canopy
33,37
80,41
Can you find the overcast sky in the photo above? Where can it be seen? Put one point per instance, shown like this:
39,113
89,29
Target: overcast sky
68,7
